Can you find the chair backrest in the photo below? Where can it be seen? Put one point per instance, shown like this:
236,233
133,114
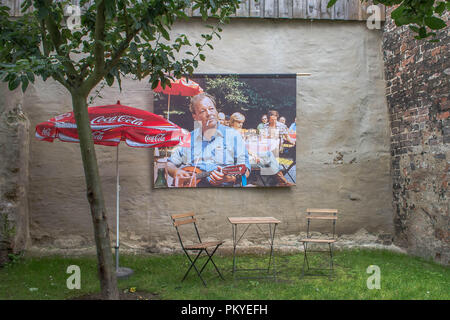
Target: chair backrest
321,214
183,219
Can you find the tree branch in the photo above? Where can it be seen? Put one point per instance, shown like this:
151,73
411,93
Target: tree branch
99,48
59,78
95,78
44,39
55,36
120,50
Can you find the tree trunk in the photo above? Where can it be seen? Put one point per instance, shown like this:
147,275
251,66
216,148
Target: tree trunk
106,270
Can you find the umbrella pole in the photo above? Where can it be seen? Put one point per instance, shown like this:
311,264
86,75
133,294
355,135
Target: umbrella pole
117,208
121,272
168,107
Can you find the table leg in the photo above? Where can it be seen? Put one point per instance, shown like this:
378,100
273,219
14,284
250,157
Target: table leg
271,245
234,232
272,257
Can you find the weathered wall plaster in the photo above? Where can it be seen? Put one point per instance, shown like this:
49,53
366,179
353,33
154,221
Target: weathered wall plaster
343,151
14,171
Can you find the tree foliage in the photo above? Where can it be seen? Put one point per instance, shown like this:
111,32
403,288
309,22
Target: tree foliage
253,96
423,17
114,38
227,90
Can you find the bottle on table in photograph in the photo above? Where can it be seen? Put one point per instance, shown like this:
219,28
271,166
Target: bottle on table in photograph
161,180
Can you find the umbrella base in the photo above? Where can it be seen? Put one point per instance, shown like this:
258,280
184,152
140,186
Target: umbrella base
123,272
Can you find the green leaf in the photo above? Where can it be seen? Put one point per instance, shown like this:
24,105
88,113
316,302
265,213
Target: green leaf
25,5
440,8
401,16
434,23
164,33
24,84
109,79
331,3
397,12
422,32
181,14
414,28
13,84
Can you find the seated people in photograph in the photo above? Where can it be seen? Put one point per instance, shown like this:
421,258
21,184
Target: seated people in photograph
215,151
293,127
265,161
221,118
269,168
227,121
260,126
237,120
274,129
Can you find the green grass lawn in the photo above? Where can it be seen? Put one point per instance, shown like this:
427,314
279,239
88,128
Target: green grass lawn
402,277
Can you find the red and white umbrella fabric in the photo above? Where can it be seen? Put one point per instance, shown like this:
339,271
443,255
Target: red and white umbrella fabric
114,123
111,124
179,87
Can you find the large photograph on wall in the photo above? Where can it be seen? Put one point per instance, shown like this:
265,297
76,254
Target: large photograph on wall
239,131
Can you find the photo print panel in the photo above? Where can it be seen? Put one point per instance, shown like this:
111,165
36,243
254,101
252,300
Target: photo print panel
239,131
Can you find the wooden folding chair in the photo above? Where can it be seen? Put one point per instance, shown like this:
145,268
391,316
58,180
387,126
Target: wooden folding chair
319,214
188,218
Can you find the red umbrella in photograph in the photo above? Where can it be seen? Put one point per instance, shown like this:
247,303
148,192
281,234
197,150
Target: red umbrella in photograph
110,125
179,87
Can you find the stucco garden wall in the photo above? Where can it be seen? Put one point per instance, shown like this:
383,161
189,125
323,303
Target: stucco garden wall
343,151
14,173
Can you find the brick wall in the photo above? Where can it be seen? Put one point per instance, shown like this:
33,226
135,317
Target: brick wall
417,89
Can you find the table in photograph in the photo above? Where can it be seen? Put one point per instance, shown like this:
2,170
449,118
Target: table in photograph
257,221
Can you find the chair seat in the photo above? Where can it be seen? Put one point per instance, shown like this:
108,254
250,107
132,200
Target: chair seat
322,217
203,245
319,240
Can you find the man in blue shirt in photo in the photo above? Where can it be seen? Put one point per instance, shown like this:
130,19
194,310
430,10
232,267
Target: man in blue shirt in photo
213,146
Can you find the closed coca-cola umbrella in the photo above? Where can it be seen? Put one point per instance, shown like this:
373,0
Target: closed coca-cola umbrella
110,125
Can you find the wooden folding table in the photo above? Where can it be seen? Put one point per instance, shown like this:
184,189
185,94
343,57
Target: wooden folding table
249,221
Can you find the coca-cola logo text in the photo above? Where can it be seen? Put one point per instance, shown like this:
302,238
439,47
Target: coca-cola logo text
62,116
161,137
116,119
97,135
46,132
